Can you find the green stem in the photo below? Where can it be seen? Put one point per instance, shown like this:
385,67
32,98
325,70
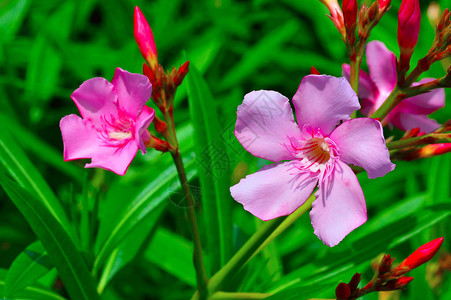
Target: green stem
392,100
238,296
432,138
264,235
355,71
201,274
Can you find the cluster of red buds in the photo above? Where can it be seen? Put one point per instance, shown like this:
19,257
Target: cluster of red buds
349,17
409,19
387,277
424,145
164,84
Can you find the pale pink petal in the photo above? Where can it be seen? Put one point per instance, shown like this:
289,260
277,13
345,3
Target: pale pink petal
133,91
95,99
339,207
142,122
406,121
323,101
115,159
368,92
423,104
382,65
79,138
361,142
265,124
275,190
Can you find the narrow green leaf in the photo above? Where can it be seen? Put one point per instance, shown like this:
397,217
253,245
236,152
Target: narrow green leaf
32,143
12,14
62,251
214,174
147,201
29,266
25,173
354,252
175,256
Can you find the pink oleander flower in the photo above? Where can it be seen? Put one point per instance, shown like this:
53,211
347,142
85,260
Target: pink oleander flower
114,121
314,153
374,89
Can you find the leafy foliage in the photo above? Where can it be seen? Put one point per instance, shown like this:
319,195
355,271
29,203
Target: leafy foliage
127,237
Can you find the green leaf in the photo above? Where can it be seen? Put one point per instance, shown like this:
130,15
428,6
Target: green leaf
367,243
62,251
26,175
173,254
29,266
149,200
32,143
12,14
214,174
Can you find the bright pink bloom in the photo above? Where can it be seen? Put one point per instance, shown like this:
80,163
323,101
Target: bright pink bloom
316,152
114,121
374,89
409,18
144,36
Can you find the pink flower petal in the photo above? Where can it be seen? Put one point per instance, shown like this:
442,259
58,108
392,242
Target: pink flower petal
133,91
264,125
361,142
96,98
340,206
79,138
115,159
382,65
423,104
406,121
323,101
368,92
142,122
275,190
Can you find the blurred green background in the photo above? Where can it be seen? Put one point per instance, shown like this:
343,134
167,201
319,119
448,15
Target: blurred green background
48,48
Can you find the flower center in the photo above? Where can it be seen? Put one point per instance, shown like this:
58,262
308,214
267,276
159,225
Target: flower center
316,150
120,135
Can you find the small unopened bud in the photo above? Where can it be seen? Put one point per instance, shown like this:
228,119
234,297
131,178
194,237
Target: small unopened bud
420,256
354,283
157,144
342,292
383,5
181,73
144,38
395,284
314,71
434,150
386,264
349,8
409,18
336,15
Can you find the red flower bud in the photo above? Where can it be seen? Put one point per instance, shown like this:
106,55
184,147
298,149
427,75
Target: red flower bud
409,18
435,149
385,265
349,8
314,71
420,256
144,38
342,292
402,282
384,4
336,15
